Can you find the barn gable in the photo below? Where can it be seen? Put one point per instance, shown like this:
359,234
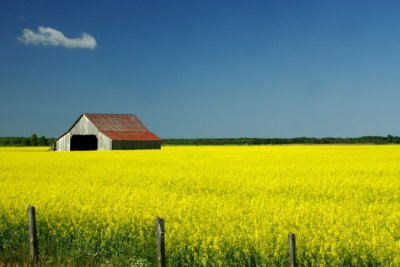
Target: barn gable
107,132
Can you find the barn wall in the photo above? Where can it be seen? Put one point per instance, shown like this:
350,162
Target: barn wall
128,144
63,144
83,127
104,143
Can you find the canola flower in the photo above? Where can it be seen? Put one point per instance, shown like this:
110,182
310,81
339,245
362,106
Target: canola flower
223,206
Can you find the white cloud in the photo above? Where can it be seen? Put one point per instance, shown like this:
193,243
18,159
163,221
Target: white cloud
51,37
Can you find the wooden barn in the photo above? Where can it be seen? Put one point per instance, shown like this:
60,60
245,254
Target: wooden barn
107,132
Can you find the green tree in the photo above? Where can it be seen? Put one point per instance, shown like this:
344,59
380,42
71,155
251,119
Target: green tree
26,142
34,140
43,141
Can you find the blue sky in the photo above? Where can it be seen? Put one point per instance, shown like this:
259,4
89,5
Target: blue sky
203,68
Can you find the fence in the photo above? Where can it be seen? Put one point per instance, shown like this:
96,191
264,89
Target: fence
160,242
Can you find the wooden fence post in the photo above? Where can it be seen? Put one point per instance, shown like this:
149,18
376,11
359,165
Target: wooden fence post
161,262
33,241
292,250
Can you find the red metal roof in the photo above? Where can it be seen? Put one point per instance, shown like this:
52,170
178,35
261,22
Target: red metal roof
121,126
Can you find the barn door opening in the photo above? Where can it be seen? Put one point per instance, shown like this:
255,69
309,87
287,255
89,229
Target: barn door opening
83,142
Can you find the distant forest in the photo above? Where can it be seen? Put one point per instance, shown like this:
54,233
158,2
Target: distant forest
34,140
379,140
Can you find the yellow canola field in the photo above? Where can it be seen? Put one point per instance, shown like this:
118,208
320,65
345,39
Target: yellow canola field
223,206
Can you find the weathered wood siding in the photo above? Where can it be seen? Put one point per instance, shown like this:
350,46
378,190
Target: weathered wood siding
83,127
105,143
63,144
130,144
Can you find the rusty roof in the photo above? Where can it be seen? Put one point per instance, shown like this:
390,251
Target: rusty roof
118,127
121,126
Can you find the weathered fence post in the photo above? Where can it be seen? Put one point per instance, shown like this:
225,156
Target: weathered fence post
161,262
292,250
33,241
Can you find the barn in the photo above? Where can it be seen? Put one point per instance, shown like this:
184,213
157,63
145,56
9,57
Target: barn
107,132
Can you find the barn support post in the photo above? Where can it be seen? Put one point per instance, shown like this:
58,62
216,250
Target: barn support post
33,240
161,260
292,250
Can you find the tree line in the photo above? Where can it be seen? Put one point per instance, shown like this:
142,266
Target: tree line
33,140
284,141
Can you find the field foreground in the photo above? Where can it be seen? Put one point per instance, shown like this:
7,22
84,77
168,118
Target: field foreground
224,206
